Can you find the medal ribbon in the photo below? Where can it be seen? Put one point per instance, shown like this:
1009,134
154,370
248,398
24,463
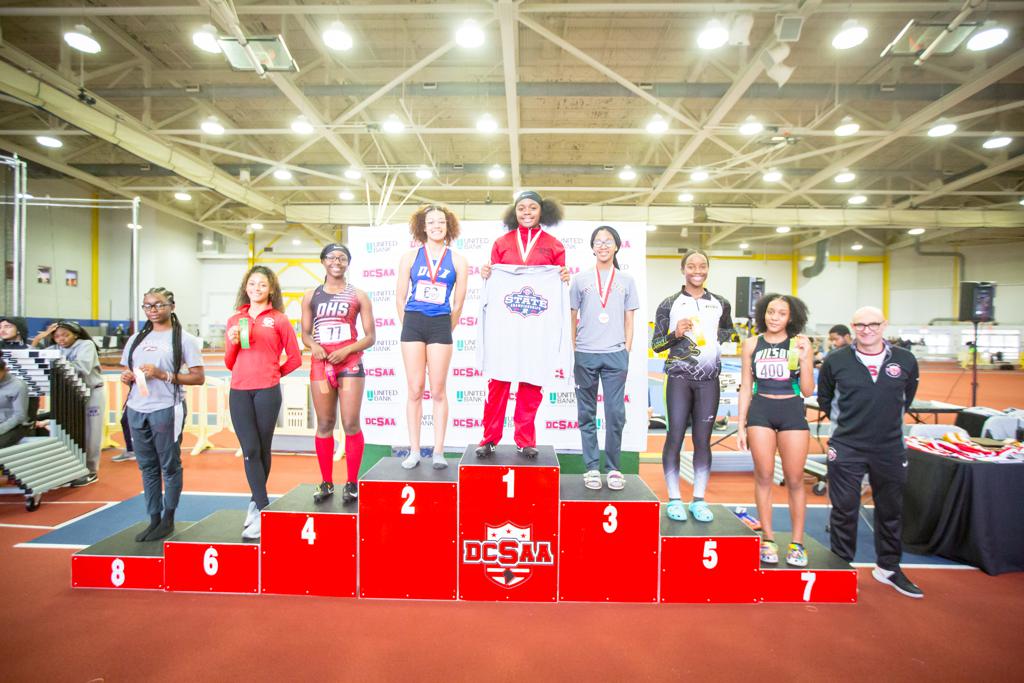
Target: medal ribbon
529,244
433,272
605,294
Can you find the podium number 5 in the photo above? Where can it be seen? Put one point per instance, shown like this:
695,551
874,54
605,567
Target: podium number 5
308,532
809,578
210,565
612,523
710,554
510,483
408,495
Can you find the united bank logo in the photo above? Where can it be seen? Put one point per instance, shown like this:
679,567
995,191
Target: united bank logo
561,398
526,302
379,295
508,554
573,242
465,344
378,247
381,395
472,242
385,344
476,396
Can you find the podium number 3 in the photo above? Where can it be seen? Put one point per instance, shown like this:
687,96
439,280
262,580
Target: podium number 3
210,565
809,578
117,572
612,523
710,554
408,495
308,532
510,484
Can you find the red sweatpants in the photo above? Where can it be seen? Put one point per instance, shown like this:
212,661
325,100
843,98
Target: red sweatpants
528,398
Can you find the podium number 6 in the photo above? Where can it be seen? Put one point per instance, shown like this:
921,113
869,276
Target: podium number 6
510,483
710,554
612,523
117,572
308,532
408,495
809,578
210,565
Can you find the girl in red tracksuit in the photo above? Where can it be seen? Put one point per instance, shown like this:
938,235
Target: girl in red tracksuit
525,244
256,336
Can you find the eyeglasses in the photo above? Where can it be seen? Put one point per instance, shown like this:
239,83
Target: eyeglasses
860,327
154,307
604,243
336,259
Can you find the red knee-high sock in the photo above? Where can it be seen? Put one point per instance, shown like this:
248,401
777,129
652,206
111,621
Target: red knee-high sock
354,454
325,456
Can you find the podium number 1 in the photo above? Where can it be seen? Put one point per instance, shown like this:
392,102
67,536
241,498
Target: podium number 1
710,554
308,532
612,523
510,483
809,578
408,495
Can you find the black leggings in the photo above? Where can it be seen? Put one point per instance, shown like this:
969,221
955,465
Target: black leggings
696,402
254,415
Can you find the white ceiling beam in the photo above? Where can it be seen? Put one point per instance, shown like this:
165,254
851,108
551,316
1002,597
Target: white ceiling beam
819,236
722,233
966,181
509,28
908,241
923,116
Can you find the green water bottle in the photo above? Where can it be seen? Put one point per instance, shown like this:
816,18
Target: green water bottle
243,332
794,355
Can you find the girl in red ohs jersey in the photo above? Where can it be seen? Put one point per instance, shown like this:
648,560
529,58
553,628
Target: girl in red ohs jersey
256,336
329,330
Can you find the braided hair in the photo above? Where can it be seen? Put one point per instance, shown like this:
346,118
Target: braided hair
175,337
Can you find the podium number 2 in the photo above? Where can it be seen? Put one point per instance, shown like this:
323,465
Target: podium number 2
612,523
710,554
210,565
408,495
809,578
117,572
510,484
308,532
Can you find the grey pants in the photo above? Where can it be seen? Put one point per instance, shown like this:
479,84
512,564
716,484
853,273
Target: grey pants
157,440
610,369
94,428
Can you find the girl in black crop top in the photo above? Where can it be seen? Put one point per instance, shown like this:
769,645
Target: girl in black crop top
778,370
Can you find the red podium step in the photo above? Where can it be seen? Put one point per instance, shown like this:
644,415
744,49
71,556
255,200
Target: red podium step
408,522
308,549
609,544
211,557
508,526
826,578
120,563
709,562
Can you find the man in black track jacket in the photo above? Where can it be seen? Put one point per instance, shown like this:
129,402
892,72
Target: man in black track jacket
865,388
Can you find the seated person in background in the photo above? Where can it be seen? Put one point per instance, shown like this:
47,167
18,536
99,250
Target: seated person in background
13,332
13,407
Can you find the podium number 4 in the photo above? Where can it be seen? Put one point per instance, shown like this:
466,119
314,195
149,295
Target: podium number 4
612,523
117,572
210,565
809,578
408,495
308,532
710,554
510,483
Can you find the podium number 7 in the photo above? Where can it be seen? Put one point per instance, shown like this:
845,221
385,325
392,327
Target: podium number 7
808,577
510,483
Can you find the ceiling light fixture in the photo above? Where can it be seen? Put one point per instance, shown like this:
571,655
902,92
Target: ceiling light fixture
685,197
496,172
255,226
469,35
212,126
856,246
847,127
744,245
346,196
846,176
337,37
183,196
80,38
48,141
751,126
783,229
772,175
714,36
916,231
392,124
423,173
942,129
997,142
282,174
851,34
296,242
657,125
699,174
627,173
857,199
302,126
205,38
987,38
353,173
486,124
207,241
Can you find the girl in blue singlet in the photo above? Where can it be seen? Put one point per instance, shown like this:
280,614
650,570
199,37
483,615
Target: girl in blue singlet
430,292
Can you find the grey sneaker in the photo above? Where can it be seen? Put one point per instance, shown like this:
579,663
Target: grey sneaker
123,456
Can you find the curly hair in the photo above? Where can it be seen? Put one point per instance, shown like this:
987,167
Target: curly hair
418,223
276,300
797,313
551,214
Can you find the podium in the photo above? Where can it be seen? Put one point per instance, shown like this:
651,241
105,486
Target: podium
308,549
826,578
508,526
712,562
211,557
609,546
408,528
119,562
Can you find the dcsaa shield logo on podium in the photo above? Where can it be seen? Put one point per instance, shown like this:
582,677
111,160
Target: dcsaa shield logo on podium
508,555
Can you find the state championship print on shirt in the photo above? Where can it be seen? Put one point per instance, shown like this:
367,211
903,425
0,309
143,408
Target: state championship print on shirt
375,255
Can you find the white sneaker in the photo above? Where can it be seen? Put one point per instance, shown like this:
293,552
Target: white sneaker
251,515
252,532
411,460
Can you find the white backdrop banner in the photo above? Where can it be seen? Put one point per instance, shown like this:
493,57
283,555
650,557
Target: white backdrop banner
375,256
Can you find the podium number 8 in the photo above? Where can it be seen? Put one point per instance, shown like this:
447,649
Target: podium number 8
809,578
612,523
710,554
510,483
210,565
408,495
117,572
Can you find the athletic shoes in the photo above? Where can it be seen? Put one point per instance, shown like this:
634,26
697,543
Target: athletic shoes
592,480
438,460
769,552
486,450
796,556
252,532
528,452
616,482
898,580
411,460
322,492
251,513
123,456
84,481
349,492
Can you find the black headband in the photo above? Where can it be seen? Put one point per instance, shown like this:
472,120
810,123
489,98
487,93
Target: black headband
528,194
335,246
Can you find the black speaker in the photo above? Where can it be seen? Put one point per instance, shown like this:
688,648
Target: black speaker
977,302
748,291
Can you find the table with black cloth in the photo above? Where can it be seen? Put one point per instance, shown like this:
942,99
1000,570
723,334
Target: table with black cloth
970,512
971,421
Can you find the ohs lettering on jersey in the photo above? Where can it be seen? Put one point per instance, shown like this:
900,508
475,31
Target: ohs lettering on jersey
508,554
